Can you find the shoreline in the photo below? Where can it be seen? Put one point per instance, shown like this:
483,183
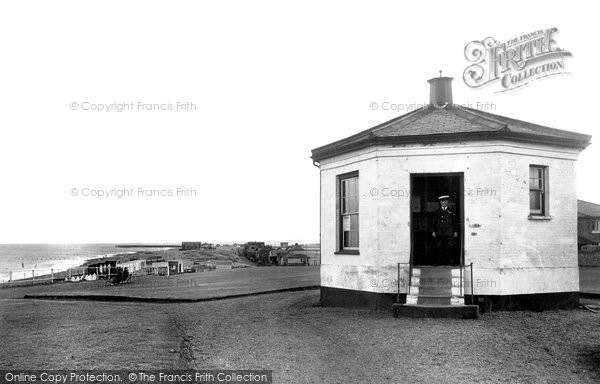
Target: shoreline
59,274
188,257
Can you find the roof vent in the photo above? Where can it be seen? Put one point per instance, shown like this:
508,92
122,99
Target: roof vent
440,90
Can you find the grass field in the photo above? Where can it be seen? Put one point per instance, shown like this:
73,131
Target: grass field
301,341
200,285
290,334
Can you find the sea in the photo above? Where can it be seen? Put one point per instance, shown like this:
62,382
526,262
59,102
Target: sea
22,260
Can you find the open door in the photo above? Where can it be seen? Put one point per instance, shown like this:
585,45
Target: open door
425,190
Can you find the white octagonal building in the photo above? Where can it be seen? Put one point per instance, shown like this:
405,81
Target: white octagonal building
510,187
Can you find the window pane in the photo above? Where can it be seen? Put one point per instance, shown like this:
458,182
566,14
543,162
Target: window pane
354,222
353,239
532,173
536,178
535,172
344,192
535,201
352,204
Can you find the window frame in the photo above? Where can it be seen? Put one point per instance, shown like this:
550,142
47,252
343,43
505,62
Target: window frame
543,191
596,226
340,179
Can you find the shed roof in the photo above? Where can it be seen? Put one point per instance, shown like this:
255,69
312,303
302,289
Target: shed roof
587,209
451,123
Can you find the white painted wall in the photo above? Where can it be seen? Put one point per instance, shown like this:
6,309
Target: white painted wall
511,253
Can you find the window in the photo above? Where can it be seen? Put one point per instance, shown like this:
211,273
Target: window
596,226
538,190
348,211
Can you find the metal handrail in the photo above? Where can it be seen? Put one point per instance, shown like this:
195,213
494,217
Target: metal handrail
409,279
472,299
463,267
461,279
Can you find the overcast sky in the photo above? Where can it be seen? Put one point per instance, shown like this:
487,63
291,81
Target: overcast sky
270,81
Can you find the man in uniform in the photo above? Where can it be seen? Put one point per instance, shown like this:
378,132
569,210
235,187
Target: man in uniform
445,233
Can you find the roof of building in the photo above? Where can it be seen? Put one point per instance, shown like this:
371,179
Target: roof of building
451,123
587,209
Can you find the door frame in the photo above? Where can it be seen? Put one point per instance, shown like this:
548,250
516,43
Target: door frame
461,188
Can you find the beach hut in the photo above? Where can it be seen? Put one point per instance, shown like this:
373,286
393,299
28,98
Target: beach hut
175,267
132,265
223,264
507,238
160,268
296,258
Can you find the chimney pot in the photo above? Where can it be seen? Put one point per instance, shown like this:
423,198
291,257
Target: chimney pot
440,92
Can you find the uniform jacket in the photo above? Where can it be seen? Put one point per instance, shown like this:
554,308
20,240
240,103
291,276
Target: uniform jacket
445,223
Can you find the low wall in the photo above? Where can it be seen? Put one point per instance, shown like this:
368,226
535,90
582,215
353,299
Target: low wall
589,259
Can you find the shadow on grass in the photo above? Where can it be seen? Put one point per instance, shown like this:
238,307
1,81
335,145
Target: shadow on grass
589,358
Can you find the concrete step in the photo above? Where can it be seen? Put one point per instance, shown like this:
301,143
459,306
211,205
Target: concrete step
454,300
436,272
436,311
416,281
434,300
447,291
427,290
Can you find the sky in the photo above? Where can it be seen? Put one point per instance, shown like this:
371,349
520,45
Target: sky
222,102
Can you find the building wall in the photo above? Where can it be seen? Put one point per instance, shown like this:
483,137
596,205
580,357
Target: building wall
496,226
538,256
585,228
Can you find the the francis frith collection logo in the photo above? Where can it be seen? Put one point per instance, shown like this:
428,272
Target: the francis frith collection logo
516,62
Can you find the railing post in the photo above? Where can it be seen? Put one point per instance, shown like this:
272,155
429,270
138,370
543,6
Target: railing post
409,278
398,297
461,280
472,300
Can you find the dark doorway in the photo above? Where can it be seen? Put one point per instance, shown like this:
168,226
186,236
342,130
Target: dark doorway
425,190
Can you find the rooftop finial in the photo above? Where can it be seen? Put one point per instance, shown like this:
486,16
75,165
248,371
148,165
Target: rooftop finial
440,73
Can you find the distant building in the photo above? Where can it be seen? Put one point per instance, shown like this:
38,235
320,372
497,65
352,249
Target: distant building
223,264
294,259
165,268
189,245
588,223
132,265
